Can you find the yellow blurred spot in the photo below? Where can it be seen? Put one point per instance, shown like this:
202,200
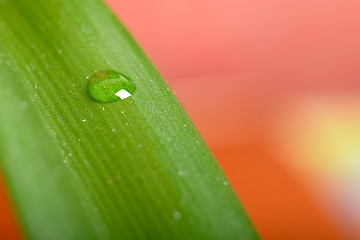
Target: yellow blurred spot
321,136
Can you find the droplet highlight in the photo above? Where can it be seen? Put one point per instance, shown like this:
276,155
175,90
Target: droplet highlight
110,86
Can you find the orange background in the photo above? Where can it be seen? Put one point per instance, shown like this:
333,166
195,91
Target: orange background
243,69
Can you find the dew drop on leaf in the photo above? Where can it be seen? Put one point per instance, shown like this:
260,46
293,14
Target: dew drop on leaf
176,215
110,86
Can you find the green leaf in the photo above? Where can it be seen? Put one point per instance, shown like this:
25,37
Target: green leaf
79,169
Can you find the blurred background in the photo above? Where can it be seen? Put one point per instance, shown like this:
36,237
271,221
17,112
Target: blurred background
274,88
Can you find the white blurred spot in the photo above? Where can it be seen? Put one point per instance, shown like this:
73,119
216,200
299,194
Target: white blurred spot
176,215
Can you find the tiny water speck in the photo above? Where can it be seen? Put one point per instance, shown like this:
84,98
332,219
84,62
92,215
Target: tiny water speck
110,86
176,215
84,120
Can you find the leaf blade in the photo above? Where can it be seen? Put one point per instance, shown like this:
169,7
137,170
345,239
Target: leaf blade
140,165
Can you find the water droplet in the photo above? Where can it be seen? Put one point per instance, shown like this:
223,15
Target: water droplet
110,86
176,215
84,120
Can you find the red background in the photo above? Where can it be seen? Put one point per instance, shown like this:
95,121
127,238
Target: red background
233,63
